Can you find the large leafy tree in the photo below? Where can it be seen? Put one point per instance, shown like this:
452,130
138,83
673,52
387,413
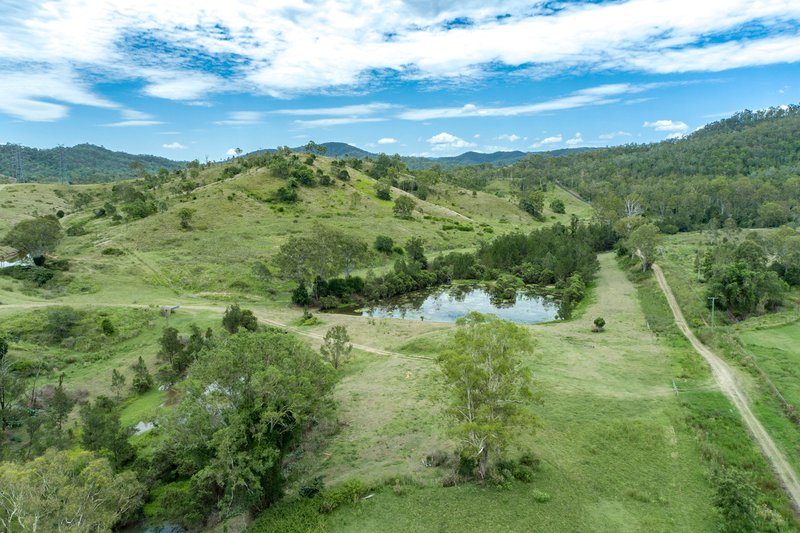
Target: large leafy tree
67,491
643,242
35,237
489,385
245,402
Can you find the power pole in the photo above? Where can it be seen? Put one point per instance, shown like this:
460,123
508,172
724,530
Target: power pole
60,163
18,174
713,305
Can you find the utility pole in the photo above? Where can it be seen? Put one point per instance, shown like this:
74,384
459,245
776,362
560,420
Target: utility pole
713,305
61,163
18,174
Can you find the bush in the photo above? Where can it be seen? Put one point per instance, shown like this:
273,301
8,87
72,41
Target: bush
437,458
312,488
348,492
384,244
599,324
108,327
540,496
180,502
112,251
76,230
298,516
37,275
60,321
557,206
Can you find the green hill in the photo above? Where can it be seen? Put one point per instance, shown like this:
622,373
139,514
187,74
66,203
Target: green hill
746,168
82,163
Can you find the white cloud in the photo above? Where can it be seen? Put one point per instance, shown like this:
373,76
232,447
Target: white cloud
599,95
614,135
231,152
443,142
327,122
476,136
174,146
132,123
510,137
29,95
667,125
285,48
348,110
675,135
387,140
242,118
574,141
553,139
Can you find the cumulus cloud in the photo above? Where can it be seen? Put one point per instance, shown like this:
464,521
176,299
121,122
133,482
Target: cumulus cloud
675,135
510,137
667,125
188,50
387,140
443,142
553,139
174,146
575,141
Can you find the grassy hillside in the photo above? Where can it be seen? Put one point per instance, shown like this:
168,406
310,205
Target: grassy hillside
616,449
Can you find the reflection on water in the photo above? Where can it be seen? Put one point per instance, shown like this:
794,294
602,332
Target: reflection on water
450,303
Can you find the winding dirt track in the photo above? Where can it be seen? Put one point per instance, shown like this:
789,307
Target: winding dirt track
259,314
726,379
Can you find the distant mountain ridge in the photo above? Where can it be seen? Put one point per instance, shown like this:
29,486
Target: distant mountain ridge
339,149
83,163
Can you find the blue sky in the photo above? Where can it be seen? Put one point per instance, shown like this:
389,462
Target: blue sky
195,79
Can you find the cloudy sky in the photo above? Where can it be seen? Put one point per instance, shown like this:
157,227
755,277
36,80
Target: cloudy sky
195,78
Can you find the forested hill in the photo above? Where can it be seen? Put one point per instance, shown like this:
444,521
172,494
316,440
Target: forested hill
83,163
746,167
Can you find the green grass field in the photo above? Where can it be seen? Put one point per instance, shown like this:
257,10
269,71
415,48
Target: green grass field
619,450
617,453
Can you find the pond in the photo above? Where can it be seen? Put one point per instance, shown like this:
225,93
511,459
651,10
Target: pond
447,304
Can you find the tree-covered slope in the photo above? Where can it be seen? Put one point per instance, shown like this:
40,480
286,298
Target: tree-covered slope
83,163
746,168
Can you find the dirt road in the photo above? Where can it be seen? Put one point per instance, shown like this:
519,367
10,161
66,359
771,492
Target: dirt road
726,379
259,314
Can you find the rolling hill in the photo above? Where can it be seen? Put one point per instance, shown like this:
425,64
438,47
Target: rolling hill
83,163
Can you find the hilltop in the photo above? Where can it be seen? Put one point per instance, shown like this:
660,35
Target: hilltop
83,163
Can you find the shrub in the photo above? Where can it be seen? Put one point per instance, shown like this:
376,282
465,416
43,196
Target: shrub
384,244
60,321
437,458
557,206
599,324
383,190
298,516
312,488
300,295
76,230
108,327
112,251
540,496
348,492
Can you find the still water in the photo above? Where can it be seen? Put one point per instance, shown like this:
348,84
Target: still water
450,303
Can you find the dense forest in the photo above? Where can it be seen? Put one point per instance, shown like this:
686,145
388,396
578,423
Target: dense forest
83,163
746,168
